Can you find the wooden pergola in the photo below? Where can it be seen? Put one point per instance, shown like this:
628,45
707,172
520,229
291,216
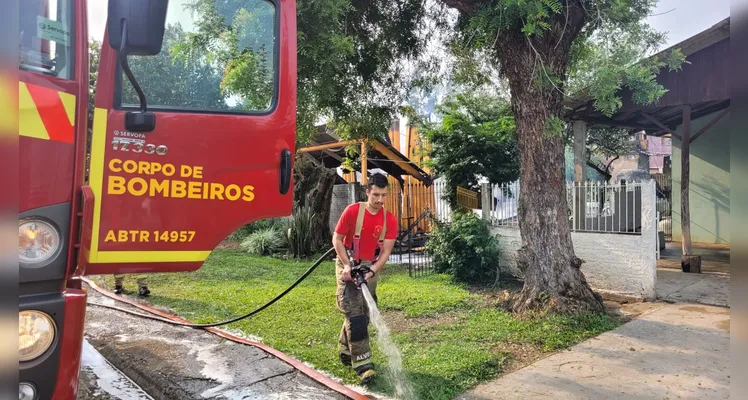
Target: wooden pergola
701,88
328,150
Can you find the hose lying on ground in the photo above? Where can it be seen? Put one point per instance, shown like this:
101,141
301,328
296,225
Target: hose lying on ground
239,318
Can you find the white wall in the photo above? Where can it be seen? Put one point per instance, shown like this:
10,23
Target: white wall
620,264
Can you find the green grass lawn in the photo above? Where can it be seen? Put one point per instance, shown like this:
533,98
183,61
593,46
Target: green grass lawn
451,339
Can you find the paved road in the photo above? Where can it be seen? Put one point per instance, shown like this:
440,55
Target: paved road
172,362
100,380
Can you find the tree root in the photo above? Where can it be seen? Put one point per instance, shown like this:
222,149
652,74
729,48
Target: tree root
535,303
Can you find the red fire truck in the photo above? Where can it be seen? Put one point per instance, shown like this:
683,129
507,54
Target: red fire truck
164,177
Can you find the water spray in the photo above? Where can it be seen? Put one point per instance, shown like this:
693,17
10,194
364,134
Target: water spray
395,373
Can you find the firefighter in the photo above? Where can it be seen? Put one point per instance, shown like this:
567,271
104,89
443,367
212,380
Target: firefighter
370,232
142,285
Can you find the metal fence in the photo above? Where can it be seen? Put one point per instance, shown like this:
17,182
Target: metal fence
504,206
601,207
593,206
410,247
416,207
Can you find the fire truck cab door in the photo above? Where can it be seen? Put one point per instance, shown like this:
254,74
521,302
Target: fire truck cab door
223,93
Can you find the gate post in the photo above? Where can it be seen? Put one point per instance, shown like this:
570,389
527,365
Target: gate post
486,200
648,251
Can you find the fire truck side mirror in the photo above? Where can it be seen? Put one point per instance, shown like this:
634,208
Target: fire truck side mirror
136,27
144,22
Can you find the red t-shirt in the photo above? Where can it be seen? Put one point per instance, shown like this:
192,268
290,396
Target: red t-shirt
370,230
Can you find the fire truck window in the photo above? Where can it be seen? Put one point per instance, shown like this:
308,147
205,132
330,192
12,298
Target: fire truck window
217,56
46,37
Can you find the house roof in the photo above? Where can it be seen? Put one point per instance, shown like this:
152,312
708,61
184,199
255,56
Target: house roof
703,84
659,146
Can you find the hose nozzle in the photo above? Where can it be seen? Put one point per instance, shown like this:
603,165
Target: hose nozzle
358,274
358,271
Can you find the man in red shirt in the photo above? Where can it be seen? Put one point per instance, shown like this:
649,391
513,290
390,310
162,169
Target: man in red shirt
370,232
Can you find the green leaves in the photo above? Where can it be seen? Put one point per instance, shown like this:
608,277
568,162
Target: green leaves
299,231
347,56
539,14
263,242
476,137
554,127
608,52
554,5
465,249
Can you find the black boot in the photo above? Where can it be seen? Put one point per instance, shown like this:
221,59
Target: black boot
366,373
144,292
345,359
118,289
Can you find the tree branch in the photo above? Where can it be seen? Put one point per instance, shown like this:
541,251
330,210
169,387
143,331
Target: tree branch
466,6
596,168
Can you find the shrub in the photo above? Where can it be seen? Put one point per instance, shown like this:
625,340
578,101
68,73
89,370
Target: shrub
263,242
299,235
246,230
465,249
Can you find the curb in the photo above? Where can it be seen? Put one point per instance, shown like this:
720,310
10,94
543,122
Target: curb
301,367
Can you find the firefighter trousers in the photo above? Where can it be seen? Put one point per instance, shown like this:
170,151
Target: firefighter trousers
354,335
120,278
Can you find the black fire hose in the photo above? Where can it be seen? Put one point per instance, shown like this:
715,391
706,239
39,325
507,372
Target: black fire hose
239,318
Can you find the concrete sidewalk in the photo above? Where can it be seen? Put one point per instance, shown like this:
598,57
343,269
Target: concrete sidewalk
708,288
671,351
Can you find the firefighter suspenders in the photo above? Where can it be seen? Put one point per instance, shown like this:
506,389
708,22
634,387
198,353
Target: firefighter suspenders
357,233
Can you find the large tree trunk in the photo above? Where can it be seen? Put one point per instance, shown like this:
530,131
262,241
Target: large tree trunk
553,280
313,185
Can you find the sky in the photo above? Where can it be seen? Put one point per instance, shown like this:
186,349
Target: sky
97,11
681,19
687,18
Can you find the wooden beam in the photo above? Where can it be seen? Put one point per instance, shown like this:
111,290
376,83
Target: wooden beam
605,121
364,159
710,124
332,154
312,159
688,263
327,146
407,167
658,133
589,109
663,127
580,147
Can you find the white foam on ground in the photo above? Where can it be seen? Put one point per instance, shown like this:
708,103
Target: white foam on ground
110,379
240,334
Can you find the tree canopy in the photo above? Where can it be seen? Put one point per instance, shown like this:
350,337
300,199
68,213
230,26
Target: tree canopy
347,61
475,138
549,50
167,82
599,46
